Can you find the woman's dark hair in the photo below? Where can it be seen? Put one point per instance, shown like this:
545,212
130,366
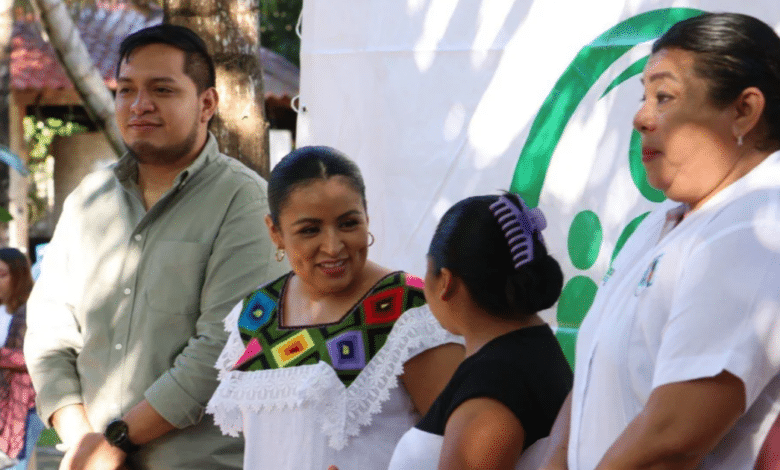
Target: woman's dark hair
301,166
733,52
21,279
469,242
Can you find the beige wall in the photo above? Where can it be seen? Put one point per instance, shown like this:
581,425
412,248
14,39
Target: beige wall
74,158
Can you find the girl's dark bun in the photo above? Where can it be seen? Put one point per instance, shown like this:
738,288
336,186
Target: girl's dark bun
469,242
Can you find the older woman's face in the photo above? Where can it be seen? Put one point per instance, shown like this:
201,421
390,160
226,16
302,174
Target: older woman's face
688,145
323,228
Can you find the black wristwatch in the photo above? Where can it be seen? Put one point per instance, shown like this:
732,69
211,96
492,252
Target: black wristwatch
116,435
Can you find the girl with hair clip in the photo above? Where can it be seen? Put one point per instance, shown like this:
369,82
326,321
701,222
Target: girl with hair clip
19,426
488,275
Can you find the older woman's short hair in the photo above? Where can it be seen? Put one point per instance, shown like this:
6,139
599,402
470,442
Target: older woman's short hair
732,52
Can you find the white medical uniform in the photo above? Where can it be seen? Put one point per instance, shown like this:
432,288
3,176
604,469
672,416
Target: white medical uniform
702,298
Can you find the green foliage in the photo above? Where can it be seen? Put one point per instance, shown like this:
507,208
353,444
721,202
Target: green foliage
278,19
39,134
49,438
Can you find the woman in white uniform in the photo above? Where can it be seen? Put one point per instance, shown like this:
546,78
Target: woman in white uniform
678,358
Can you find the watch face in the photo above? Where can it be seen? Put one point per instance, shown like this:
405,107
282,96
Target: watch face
116,431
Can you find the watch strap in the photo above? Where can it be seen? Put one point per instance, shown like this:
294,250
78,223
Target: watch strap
116,435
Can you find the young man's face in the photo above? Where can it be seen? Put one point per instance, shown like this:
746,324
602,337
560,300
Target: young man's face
162,117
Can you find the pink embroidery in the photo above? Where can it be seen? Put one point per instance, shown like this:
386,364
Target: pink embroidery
253,349
414,281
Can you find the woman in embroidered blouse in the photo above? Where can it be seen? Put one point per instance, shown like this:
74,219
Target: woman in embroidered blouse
17,398
310,373
677,359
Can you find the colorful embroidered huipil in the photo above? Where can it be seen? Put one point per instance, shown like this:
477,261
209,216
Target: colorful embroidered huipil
309,397
347,345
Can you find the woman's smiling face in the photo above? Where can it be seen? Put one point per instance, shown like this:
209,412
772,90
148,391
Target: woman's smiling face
688,144
323,228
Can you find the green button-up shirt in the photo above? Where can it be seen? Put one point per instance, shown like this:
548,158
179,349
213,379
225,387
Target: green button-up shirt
130,303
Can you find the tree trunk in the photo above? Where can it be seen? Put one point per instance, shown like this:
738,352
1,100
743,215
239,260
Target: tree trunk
75,59
231,30
6,28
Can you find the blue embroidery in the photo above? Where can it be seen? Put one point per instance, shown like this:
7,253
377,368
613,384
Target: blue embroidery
608,275
647,277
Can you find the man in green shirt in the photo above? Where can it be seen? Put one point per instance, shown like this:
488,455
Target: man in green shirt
149,256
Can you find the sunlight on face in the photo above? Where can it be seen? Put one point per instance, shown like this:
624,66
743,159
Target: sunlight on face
323,227
158,109
687,142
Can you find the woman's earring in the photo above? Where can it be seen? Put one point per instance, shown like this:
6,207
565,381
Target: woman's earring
279,255
371,239
739,141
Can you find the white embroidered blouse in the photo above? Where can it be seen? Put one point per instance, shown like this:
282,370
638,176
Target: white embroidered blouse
304,417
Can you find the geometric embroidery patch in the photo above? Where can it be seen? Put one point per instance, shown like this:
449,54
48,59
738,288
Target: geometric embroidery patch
258,311
253,349
385,306
414,281
291,348
347,351
347,345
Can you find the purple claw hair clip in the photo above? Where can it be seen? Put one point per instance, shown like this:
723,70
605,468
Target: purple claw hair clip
519,225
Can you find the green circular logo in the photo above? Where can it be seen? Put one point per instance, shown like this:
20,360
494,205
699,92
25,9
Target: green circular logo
586,233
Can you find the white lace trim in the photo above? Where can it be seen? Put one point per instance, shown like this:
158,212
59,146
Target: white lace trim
342,411
234,347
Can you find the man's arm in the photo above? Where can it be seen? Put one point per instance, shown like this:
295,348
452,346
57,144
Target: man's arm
239,261
93,450
53,339
71,423
680,424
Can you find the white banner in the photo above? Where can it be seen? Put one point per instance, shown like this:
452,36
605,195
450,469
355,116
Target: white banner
437,100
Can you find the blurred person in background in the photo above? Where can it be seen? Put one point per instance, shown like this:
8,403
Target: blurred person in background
19,425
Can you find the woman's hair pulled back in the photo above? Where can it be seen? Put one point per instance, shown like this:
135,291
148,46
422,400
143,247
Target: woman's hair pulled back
732,52
304,165
21,278
469,242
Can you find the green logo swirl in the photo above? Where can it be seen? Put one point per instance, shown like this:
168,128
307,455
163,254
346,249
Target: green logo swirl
585,232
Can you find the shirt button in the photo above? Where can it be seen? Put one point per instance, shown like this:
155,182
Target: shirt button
127,291
118,347
138,237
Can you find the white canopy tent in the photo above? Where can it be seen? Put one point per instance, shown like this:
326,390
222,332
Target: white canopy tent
437,100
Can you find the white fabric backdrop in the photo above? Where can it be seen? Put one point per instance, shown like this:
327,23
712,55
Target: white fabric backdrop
434,99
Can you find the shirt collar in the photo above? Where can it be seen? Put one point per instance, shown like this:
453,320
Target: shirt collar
126,169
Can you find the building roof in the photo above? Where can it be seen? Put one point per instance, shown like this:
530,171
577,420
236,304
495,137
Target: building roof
34,64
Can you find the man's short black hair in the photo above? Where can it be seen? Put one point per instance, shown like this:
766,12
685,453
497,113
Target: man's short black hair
198,64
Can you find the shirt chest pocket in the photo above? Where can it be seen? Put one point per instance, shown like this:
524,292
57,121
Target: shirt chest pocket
174,277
